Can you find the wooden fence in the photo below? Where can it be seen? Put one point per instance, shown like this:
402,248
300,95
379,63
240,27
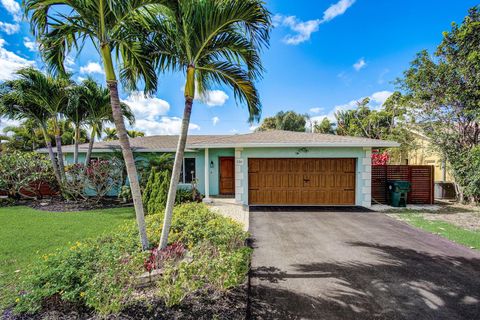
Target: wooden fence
421,179
43,189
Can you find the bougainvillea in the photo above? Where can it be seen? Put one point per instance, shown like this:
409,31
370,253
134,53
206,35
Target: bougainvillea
380,158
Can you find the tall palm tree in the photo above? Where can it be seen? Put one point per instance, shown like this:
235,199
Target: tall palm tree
213,43
97,101
110,134
135,133
76,112
114,27
24,98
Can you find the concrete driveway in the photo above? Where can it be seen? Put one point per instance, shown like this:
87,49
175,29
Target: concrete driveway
357,265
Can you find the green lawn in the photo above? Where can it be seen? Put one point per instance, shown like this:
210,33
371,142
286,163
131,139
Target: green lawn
26,233
468,238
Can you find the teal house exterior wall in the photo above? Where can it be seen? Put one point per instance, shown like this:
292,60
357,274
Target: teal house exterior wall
361,154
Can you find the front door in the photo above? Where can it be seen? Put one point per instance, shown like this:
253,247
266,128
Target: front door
227,175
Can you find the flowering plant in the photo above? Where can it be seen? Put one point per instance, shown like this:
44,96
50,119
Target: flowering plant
380,159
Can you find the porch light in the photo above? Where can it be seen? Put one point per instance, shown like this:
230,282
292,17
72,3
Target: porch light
211,164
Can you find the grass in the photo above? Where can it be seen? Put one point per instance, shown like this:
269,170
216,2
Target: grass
26,233
456,234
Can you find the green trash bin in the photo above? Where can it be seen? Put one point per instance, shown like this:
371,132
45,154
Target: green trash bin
398,192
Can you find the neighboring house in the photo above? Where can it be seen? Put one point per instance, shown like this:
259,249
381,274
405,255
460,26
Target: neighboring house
425,155
268,168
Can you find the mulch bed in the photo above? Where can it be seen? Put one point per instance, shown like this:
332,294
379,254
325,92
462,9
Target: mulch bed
56,204
202,305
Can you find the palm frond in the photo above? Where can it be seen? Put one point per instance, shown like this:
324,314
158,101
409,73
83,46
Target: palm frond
243,88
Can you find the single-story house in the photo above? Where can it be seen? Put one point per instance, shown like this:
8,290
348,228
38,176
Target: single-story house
267,168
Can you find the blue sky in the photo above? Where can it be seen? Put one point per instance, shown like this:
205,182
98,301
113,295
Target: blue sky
323,56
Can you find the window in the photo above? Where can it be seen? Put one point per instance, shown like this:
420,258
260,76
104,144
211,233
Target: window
188,170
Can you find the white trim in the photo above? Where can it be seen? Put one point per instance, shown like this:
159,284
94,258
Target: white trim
207,176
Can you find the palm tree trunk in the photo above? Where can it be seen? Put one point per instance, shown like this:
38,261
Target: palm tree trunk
75,151
90,147
61,164
52,157
177,165
129,161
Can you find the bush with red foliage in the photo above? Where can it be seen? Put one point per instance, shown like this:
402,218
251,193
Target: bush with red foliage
380,159
157,258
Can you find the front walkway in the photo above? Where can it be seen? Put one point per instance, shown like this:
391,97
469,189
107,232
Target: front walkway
227,207
357,265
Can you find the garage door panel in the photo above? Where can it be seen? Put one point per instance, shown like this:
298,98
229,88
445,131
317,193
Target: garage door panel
302,181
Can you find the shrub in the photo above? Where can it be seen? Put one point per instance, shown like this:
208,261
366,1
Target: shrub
100,176
125,194
22,173
156,192
101,273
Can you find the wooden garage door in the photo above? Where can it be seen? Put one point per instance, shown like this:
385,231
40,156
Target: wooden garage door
301,181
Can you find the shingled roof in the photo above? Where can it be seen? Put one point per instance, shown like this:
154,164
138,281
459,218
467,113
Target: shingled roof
273,138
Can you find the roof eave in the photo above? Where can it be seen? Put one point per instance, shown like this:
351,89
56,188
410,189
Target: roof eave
383,144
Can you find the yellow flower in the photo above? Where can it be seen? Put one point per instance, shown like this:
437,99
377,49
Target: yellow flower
17,300
82,294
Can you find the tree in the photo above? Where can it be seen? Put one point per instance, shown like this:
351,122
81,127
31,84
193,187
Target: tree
325,126
27,136
110,134
285,120
214,43
387,123
76,112
24,99
118,30
445,100
96,99
135,133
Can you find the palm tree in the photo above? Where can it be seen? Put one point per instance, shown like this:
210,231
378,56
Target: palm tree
135,133
96,99
76,112
116,29
110,134
214,43
24,98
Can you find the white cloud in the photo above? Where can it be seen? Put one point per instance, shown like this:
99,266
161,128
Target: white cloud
31,45
316,110
381,77
215,120
151,115
164,126
304,29
253,127
80,79
377,99
213,98
360,64
4,122
10,62
380,97
147,108
92,67
337,9
9,28
13,8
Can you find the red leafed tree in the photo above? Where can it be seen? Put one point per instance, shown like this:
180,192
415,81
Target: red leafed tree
380,158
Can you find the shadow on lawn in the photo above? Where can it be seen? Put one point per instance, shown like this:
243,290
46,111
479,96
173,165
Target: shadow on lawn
403,284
